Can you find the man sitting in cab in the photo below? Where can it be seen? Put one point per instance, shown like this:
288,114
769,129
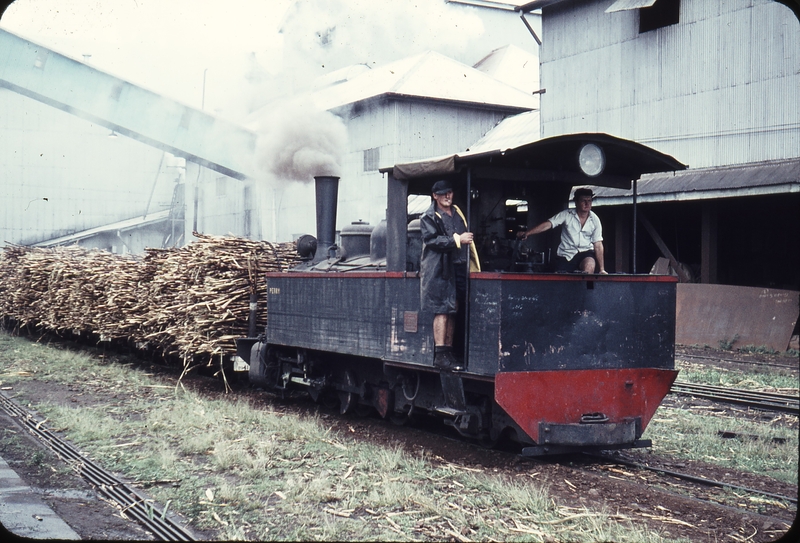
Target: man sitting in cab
581,247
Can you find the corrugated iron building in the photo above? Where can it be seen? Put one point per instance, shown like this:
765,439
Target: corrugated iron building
714,84
91,158
421,106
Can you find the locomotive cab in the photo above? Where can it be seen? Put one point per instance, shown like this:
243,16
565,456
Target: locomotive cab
558,362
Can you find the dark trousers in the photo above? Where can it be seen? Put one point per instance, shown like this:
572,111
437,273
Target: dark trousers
460,272
564,265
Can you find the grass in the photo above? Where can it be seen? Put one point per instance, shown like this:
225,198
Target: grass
758,378
253,472
695,433
684,433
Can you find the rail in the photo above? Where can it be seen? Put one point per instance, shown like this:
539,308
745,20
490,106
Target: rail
687,357
133,504
750,398
690,478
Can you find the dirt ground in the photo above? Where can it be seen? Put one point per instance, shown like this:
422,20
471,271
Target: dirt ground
663,504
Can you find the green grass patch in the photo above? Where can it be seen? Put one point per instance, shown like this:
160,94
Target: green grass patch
253,472
758,378
763,449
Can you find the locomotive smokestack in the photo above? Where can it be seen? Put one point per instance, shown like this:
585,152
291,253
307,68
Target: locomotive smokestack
327,196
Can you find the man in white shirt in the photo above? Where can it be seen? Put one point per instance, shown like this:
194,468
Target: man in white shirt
581,247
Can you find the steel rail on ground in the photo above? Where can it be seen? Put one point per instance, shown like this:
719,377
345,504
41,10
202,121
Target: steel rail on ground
750,398
688,357
691,478
142,509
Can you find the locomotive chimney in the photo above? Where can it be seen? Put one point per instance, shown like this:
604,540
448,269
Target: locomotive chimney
327,196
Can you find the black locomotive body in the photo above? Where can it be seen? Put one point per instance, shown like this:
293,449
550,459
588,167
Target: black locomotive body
559,362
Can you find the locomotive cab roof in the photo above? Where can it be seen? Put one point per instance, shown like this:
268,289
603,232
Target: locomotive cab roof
541,173
554,159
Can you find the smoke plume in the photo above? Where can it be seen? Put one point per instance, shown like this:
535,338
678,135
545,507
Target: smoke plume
296,141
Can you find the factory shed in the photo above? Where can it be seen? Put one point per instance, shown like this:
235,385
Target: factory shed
131,236
84,151
420,106
714,85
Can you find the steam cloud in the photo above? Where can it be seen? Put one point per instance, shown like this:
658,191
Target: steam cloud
297,141
324,35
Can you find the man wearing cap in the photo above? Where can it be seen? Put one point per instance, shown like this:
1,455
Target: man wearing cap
446,248
581,247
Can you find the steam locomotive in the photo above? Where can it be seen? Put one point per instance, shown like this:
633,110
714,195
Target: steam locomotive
557,362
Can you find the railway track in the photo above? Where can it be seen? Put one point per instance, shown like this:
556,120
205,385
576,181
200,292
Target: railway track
133,504
711,359
691,478
768,401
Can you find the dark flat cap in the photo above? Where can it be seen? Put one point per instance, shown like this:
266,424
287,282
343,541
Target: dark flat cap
441,187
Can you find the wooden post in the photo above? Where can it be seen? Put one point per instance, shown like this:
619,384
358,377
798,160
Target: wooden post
622,241
663,248
708,244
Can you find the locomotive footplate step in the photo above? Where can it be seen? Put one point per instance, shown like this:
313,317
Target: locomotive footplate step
543,450
453,389
449,411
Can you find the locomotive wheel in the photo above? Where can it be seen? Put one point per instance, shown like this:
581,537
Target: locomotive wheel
490,440
410,386
348,400
327,399
363,410
400,419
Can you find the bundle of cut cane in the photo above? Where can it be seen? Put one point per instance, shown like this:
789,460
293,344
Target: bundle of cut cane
198,298
184,302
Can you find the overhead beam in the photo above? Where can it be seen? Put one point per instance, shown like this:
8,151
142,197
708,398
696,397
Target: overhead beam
44,75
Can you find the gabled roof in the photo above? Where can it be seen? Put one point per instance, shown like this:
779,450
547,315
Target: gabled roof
511,132
428,75
512,65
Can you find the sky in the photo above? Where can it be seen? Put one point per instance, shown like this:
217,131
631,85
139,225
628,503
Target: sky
230,58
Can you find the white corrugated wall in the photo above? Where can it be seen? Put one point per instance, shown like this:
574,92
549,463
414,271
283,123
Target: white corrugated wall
721,87
62,174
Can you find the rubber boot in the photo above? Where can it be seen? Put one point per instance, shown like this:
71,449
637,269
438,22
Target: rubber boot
455,363
442,357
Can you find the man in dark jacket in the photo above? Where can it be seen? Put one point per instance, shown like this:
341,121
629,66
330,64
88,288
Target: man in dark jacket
446,245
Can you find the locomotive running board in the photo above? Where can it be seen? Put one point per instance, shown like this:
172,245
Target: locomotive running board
544,450
453,389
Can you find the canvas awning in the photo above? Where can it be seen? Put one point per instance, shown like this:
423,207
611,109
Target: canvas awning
554,158
623,5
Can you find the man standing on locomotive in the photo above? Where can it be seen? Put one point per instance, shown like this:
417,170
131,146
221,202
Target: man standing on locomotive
581,247
446,247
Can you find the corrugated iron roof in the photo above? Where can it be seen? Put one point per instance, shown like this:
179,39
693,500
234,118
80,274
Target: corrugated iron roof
426,75
771,177
511,132
512,65
127,224
624,5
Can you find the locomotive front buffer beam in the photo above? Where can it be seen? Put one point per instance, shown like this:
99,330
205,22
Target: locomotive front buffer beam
587,436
